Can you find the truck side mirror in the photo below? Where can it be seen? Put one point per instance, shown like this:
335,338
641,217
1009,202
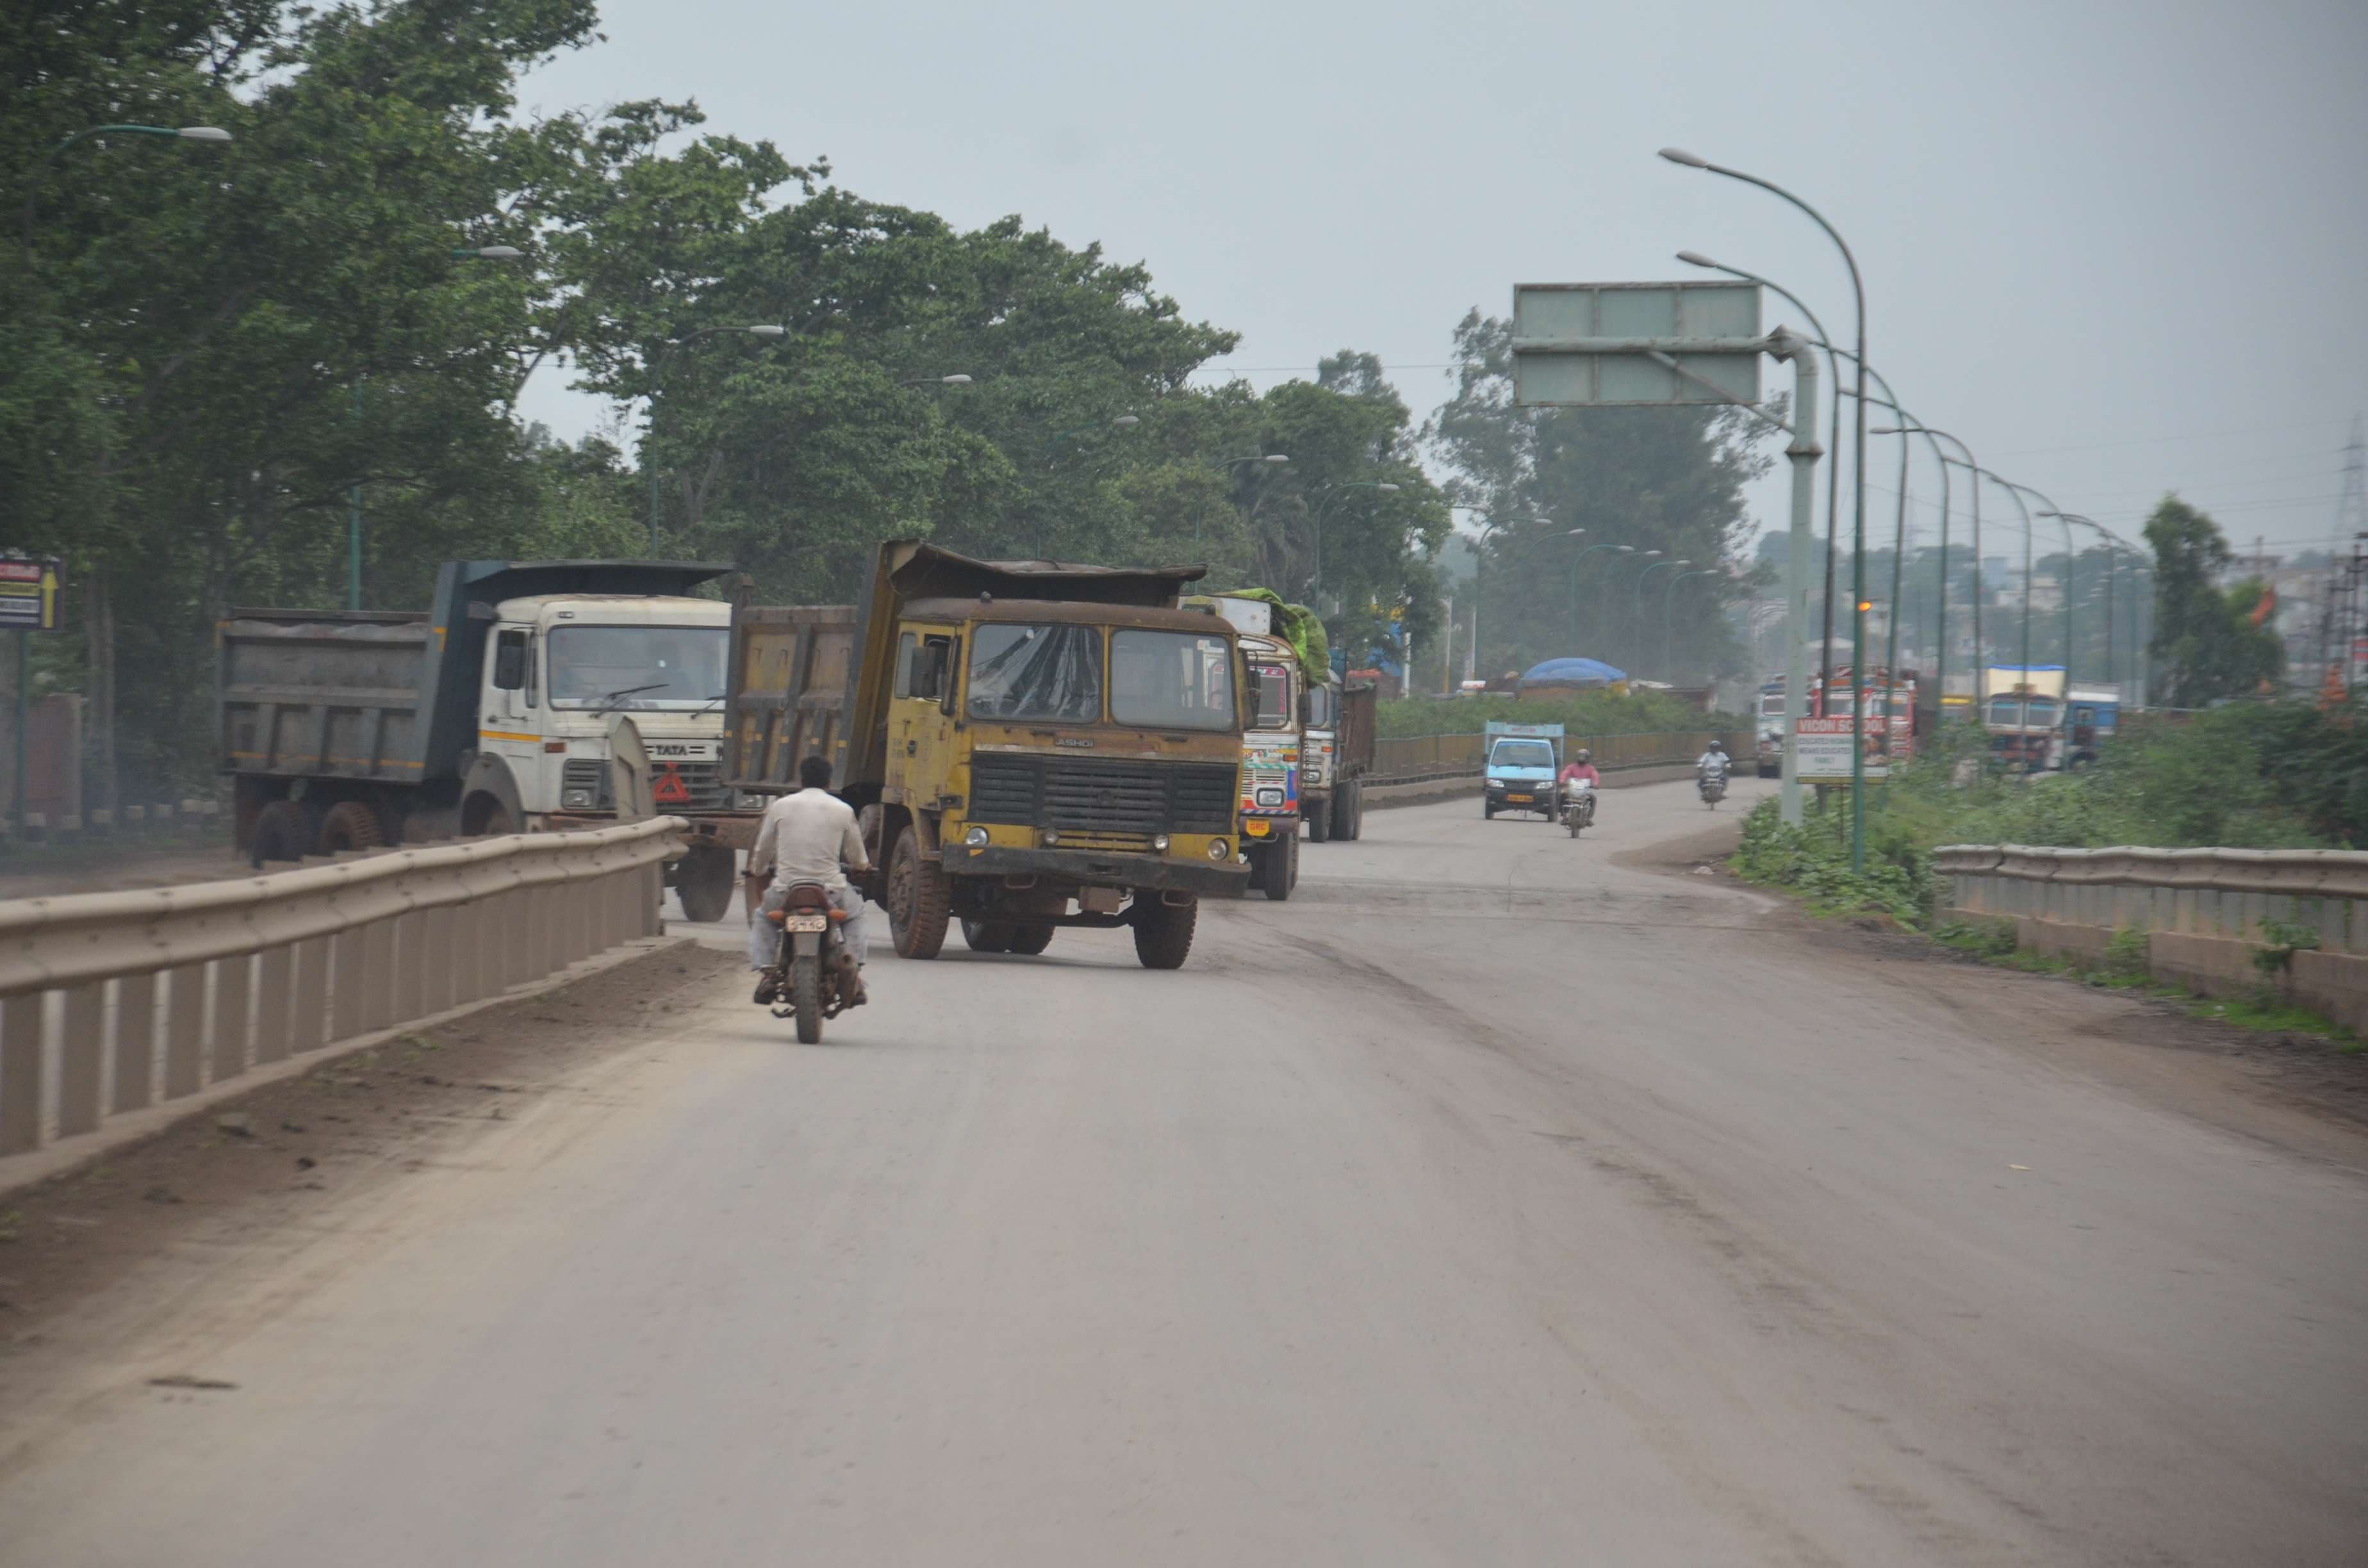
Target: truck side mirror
509,660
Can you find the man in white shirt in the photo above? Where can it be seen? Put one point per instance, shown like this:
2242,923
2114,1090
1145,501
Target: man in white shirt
806,837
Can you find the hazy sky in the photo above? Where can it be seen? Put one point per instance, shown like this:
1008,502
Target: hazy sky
2120,248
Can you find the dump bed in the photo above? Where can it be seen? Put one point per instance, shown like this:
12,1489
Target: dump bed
389,696
788,690
1352,739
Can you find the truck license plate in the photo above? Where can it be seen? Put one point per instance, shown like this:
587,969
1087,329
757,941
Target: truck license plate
1518,799
807,923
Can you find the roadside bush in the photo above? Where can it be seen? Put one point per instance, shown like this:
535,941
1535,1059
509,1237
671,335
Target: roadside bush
1814,859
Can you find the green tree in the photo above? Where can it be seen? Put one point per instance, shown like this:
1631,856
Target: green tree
2206,647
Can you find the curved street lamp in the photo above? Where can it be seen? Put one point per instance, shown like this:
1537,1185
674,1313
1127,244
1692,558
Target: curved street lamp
1489,522
1940,675
1858,571
1611,575
1669,615
1641,578
1583,554
1379,486
657,381
210,133
1224,464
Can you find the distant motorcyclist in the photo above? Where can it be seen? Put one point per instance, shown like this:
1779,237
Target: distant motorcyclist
1712,764
1581,766
806,837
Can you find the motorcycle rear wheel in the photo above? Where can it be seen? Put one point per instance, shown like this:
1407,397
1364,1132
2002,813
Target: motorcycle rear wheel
805,997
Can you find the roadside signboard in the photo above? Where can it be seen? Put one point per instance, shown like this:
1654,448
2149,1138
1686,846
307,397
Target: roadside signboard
30,587
1599,345
1824,749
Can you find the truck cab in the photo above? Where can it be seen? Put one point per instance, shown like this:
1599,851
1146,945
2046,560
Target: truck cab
1272,752
559,669
1519,772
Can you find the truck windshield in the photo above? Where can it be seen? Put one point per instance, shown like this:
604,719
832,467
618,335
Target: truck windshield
1521,754
1271,685
636,666
1772,706
1171,680
1052,673
1321,701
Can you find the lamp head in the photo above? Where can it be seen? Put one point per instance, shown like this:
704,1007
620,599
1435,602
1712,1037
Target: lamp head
1127,421
1695,258
203,133
766,330
1679,155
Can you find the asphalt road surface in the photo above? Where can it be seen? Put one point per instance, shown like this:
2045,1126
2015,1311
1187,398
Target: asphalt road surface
1488,1202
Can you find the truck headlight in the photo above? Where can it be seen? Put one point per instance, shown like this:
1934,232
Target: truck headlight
1218,849
579,798
751,800
975,838
1159,842
1050,838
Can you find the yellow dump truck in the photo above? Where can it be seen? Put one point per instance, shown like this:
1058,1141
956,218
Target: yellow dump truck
1029,744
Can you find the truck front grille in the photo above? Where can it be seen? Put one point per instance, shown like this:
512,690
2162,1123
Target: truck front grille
1098,795
702,781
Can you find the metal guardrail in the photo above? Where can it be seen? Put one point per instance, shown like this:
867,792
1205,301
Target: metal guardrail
2231,895
1406,760
2304,873
115,1002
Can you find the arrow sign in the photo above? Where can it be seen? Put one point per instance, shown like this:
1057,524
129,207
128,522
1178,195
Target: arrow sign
29,594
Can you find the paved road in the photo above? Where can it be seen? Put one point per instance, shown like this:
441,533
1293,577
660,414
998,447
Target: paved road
1487,1203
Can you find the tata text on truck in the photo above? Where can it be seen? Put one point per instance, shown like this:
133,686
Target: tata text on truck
1029,746
490,711
1519,775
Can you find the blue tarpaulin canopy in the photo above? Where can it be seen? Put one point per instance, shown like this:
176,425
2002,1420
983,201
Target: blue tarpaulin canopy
1573,672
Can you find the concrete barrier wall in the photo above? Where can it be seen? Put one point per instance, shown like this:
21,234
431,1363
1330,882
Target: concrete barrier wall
112,1002
2205,915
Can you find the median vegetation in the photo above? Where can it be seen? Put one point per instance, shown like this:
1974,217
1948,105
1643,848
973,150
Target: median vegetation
1593,713
2252,776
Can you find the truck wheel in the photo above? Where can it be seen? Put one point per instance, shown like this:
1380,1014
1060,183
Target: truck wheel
918,899
1351,804
281,833
350,824
1319,821
492,821
704,882
1163,933
1029,941
1274,872
987,935
1488,811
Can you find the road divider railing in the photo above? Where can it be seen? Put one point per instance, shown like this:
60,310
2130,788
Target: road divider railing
2219,921
117,1002
1414,759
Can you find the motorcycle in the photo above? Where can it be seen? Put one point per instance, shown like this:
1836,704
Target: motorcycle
812,969
1712,787
1578,806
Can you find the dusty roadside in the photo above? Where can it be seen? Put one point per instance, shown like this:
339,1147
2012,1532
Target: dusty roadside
2294,1090
283,1159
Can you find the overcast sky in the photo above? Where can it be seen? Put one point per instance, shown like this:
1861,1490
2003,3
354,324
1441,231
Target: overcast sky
2119,247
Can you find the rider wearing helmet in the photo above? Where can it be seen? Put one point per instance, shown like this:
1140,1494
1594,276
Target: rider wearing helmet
1580,766
1712,761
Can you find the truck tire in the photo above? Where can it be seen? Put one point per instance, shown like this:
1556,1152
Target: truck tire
1277,868
987,935
1350,801
350,824
1163,933
1029,941
704,882
1319,821
1487,810
282,832
918,899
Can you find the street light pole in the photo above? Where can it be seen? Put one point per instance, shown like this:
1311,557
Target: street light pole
1275,458
1051,459
210,133
1611,576
2057,512
1380,486
1833,471
1583,554
657,382
1858,458
1641,578
1669,615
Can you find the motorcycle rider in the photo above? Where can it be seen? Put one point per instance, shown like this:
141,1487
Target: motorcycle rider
1712,764
803,838
1581,766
